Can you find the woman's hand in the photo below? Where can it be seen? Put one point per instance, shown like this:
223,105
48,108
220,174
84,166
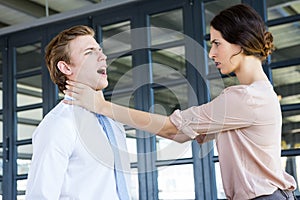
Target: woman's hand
94,101
84,96
200,138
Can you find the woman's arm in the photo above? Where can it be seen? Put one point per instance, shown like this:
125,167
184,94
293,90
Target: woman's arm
94,101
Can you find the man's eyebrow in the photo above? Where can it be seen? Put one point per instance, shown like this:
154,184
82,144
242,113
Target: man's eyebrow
92,48
89,48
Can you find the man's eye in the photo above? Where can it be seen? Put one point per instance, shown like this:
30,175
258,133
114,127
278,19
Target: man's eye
88,52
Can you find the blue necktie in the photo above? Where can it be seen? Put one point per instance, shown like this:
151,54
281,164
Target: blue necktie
119,176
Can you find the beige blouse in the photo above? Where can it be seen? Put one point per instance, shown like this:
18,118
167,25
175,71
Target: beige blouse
246,122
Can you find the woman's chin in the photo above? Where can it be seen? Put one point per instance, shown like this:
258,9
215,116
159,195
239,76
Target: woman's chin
225,72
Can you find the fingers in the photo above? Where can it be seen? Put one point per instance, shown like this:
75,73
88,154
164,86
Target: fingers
76,84
200,138
71,102
74,88
71,93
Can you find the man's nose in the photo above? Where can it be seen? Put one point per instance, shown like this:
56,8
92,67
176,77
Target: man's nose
102,56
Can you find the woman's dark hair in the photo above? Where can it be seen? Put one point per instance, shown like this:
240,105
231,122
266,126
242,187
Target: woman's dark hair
242,25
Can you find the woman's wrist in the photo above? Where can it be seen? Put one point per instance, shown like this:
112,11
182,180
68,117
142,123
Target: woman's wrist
104,108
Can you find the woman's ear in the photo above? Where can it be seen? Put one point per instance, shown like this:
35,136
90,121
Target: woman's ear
64,68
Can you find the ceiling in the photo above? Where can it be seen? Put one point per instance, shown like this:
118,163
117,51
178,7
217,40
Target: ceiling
14,12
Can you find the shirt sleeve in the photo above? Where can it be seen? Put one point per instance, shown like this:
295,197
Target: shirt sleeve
52,148
232,109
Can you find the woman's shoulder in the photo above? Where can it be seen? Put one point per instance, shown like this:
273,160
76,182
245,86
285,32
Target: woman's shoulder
257,93
238,90
255,86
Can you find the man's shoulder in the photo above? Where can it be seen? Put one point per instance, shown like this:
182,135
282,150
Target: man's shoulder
58,118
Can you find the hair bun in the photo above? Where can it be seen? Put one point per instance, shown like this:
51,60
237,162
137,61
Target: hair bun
269,46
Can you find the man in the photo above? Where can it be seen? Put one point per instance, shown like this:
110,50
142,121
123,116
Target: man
73,158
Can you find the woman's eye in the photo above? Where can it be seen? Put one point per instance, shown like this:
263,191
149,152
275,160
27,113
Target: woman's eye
217,43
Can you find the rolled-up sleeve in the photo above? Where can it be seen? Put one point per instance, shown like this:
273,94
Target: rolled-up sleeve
182,124
233,109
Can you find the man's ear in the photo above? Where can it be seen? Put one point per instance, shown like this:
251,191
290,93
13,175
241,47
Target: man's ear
64,68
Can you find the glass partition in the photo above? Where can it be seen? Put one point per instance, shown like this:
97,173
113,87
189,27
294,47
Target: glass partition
25,130
176,182
24,158
27,122
164,56
131,145
286,40
212,8
122,99
21,188
168,64
1,122
291,129
291,165
29,90
286,82
1,162
219,183
29,81
169,98
170,150
168,27
1,131
134,190
116,37
120,73
28,57
1,83
282,8
166,100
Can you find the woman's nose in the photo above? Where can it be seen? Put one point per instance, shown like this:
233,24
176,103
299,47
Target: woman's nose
211,53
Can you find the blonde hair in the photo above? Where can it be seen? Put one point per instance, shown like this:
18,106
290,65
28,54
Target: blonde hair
58,50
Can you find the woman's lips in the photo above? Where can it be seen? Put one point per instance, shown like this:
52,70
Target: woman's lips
217,64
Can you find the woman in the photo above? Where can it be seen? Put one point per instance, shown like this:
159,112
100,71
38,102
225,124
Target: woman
245,119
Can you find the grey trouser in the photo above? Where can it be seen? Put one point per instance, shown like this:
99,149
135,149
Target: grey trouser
278,195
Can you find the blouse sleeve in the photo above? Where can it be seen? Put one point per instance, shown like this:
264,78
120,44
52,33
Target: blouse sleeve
232,109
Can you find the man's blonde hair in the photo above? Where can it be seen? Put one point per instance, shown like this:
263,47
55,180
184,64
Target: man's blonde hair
58,50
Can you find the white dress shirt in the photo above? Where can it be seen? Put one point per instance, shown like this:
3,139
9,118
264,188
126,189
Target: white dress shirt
72,157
